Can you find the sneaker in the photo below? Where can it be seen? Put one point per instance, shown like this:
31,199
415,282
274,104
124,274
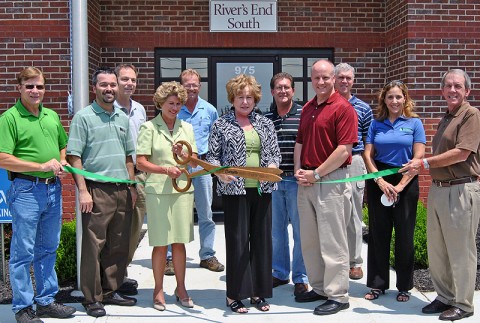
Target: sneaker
169,271
212,264
55,310
27,315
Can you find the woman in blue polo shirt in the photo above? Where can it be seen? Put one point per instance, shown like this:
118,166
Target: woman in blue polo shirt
394,137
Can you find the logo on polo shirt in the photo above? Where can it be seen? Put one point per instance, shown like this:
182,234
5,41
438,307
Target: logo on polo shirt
407,130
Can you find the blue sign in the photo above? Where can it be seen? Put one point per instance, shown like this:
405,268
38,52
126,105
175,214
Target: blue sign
5,216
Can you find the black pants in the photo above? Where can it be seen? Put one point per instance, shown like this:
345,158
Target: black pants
382,219
248,242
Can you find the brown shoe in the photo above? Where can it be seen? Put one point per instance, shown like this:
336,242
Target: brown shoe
300,288
169,271
356,273
212,264
277,282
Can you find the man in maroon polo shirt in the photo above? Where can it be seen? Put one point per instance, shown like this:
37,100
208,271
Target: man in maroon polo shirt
327,133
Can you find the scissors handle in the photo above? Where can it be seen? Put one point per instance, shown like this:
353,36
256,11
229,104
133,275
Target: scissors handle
189,182
189,156
183,170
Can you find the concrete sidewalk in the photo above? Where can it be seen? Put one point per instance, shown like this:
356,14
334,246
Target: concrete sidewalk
207,289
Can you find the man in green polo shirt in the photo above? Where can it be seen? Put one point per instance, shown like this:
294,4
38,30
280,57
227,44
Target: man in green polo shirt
32,149
100,142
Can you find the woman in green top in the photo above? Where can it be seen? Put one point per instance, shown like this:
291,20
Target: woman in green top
170,213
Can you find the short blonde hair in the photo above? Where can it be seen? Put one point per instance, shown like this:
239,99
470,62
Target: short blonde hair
30,73
239,83
167,89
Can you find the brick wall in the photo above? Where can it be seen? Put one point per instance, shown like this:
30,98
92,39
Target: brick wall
416,41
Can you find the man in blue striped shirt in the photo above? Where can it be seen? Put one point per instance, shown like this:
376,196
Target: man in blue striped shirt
285,115
344,78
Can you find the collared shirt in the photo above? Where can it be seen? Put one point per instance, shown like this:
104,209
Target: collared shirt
458,129
227,147
156,141
202,119
394,142
286,128
31,138
102,140
364,114
136,117
324,127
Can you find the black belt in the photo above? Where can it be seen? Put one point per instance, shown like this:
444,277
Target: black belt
88,181
202,157
470,179
48,180
357,153
287,174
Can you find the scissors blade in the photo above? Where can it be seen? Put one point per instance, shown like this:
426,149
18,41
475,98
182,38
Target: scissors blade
267,170
242,172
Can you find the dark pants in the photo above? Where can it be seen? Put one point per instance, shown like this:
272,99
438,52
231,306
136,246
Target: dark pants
248,241
105,240
382,219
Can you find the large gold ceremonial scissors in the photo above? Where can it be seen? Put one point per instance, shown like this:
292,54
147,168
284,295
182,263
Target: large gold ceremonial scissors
259,173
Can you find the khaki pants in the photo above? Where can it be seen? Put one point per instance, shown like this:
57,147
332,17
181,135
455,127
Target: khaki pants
105,239
354,226
325,210
452,222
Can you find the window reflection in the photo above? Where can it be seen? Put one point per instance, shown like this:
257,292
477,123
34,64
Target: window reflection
170,67
200,64
298,96
293,66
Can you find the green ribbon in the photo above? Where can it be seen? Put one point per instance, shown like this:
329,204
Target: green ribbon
73,170
378,174
84,173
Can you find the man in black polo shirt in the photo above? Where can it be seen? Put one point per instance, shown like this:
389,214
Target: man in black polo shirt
286,117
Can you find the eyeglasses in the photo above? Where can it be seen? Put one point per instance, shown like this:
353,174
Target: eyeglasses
191,86
32,86
283,88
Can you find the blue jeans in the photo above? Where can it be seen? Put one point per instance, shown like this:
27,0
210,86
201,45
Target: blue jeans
36,223
203,194
284,210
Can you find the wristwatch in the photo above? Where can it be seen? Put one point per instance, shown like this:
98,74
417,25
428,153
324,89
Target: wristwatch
317,176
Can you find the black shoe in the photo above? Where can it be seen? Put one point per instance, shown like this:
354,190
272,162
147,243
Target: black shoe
95,309
118,299
27,315
330,307
435,307
453,314
55,310
278,282
310,296
130,282
128,289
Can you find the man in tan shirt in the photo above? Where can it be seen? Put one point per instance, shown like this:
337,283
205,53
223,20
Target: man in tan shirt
453,201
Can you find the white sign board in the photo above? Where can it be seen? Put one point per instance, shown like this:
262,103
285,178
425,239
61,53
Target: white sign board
243,16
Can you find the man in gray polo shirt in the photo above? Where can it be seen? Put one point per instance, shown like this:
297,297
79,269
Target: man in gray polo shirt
100,142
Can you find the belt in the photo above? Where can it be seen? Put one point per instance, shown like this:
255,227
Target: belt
202,157
470,179
357,152
287,174
313,168
88,181
48,180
